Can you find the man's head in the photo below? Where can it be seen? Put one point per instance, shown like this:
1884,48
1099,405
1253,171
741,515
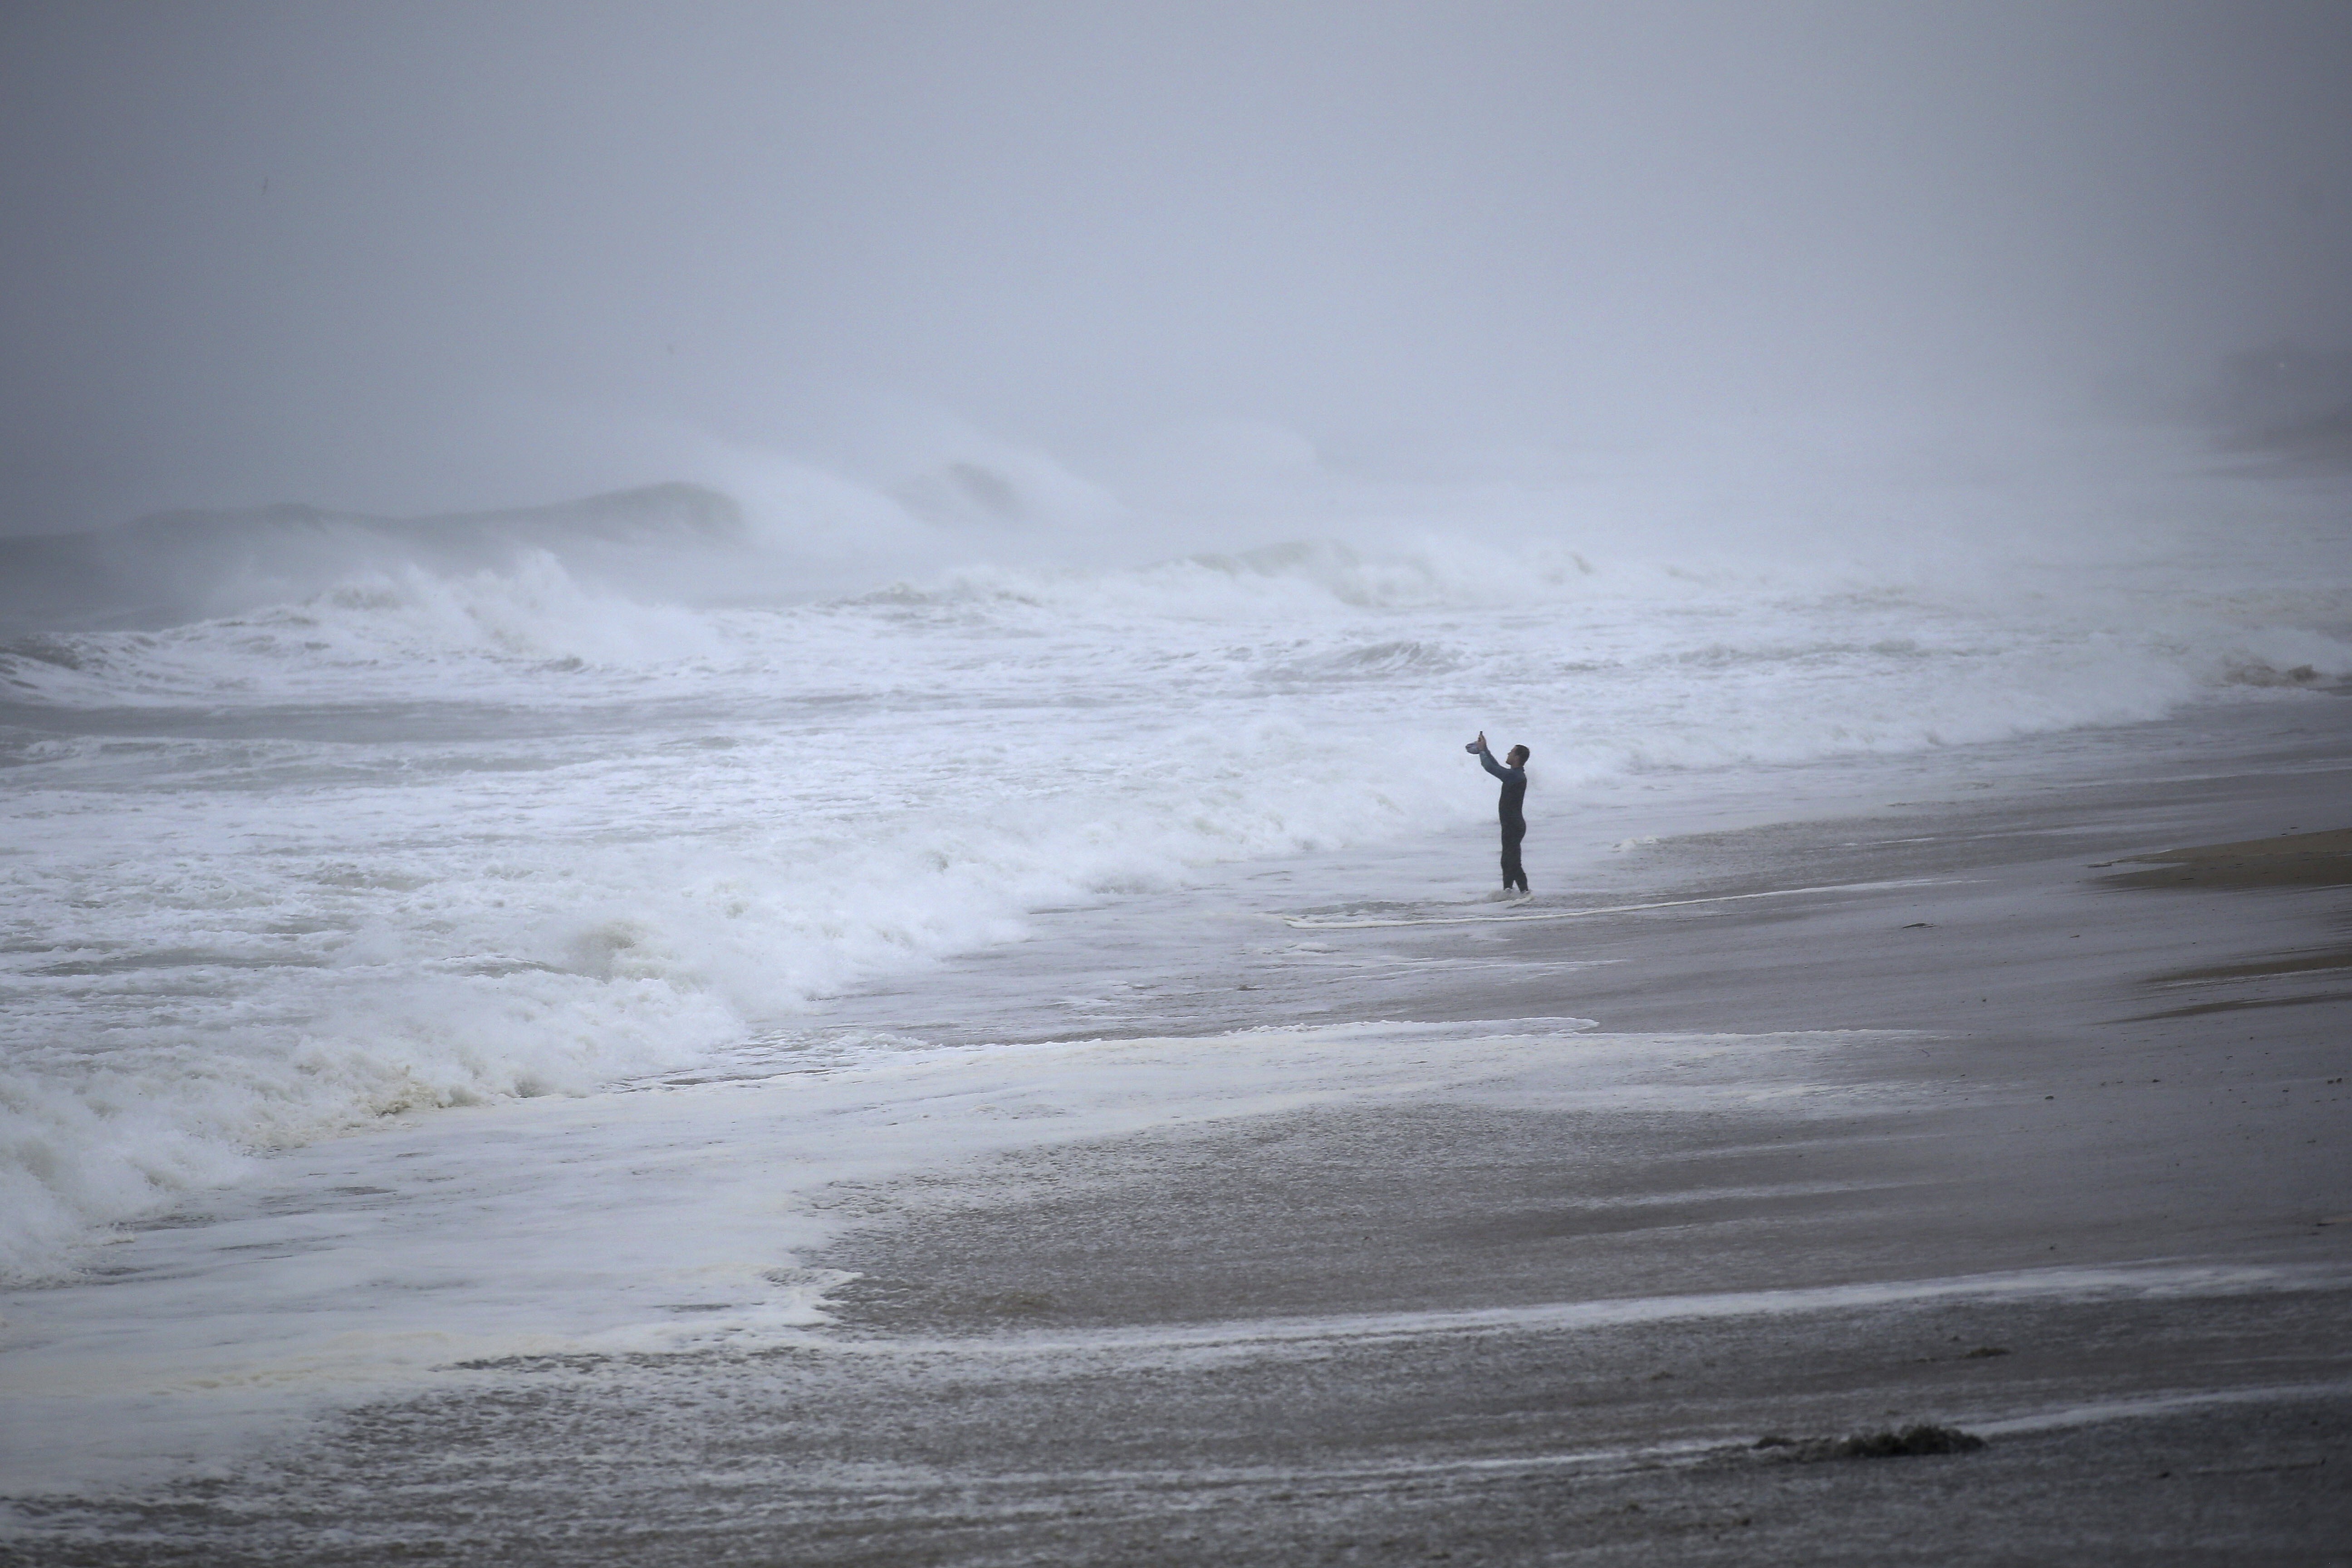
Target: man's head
1518,756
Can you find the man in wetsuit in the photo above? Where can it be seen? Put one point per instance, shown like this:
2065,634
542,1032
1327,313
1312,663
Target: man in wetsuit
1513,771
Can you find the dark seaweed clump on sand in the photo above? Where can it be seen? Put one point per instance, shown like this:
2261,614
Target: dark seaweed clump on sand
1920,1439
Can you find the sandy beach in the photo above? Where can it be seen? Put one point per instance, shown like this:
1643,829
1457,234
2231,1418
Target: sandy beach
2016,1111
739,824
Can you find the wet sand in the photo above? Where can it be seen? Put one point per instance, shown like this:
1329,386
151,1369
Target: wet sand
2289,860
1992,1131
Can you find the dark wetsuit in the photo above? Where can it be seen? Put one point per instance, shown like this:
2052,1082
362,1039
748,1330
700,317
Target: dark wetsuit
1515,822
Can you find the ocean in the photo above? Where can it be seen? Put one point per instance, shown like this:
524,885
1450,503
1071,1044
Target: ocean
399,912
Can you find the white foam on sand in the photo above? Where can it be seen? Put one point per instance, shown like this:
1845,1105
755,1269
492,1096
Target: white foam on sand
1241,1340
1339,923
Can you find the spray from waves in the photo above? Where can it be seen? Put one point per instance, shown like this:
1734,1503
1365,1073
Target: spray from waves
1967,631
791,531
374,630
2041,647
957,514
163,570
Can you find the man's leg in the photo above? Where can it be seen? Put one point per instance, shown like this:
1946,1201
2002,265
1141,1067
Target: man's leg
1514,875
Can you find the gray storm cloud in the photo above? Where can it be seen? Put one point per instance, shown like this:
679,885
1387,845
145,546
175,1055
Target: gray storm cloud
416,256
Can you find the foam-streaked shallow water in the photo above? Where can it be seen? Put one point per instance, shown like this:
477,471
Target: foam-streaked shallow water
436,835
435,1251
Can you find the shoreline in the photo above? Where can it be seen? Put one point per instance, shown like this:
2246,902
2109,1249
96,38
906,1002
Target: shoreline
1977,1133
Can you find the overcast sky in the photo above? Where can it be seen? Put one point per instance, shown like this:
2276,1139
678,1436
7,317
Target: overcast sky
416,256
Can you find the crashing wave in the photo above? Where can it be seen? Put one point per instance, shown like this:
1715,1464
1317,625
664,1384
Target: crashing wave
180,566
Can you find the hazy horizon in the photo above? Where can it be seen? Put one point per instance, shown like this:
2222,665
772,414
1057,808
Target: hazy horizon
447,257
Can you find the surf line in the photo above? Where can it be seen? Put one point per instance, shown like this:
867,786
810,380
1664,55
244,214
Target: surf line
1313,922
